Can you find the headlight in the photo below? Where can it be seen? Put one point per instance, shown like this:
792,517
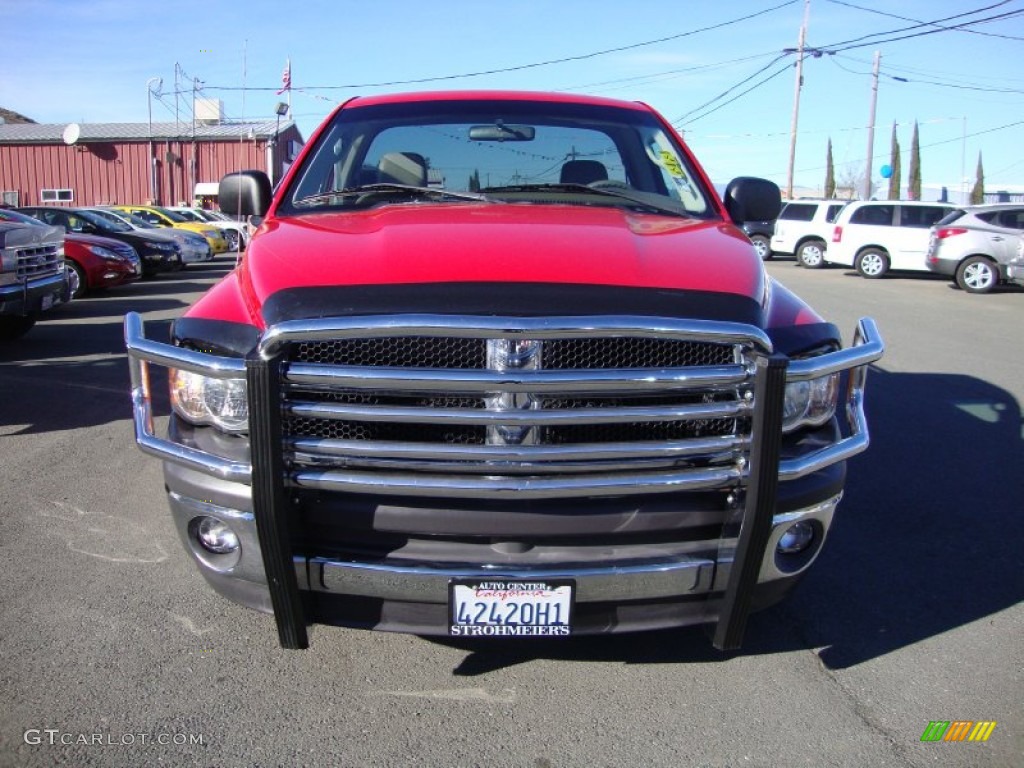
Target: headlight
105,253
164,246
203,400
810,403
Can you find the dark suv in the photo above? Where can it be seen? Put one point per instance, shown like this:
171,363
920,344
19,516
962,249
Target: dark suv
760,234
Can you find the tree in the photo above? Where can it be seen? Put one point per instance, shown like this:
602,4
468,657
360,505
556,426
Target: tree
978,193
849,181
830,173
894,164
914,173
474,181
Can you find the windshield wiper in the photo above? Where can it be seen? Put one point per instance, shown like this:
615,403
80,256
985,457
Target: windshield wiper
650,200
386,188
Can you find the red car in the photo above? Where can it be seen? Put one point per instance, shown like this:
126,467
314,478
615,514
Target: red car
93,262
502,364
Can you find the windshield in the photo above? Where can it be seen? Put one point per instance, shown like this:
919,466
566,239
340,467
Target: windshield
177,218
500,151
127,220
98,221
21,218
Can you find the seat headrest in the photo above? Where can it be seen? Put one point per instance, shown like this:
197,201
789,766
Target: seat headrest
583,172
403,168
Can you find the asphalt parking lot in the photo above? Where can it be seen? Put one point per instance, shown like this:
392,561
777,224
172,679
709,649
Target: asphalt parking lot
113,652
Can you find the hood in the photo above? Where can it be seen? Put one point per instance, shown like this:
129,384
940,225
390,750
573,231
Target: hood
493,244
84,239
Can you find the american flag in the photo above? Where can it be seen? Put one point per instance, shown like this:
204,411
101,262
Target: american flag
286,77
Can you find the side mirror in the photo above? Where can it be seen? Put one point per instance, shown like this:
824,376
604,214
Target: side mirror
751,199
245,193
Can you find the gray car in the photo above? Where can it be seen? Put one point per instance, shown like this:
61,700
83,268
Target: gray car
978,246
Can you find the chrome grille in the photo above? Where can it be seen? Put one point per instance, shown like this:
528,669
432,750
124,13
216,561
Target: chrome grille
559,354
416,404
38,261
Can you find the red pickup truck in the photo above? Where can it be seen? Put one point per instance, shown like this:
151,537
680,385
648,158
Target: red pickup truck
502,364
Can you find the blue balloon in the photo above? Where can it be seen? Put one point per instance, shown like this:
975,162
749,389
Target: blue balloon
886,171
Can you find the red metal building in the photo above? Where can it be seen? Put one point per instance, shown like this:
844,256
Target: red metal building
111,163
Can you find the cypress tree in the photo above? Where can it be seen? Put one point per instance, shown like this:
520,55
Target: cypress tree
894,163
830,173
978,193
914,182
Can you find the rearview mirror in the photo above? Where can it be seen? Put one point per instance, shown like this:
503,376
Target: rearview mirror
501,132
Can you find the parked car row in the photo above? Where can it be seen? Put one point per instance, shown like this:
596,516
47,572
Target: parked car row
165,217
235,232
91,261
978,246
51,255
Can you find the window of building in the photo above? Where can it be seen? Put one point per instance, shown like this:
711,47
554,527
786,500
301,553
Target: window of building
56,196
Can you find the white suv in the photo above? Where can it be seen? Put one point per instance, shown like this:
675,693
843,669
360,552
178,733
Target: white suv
875,236
804,228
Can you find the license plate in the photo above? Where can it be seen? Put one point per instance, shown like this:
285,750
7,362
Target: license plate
518,607
47,302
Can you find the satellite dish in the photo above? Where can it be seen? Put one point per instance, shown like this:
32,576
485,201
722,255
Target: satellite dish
71,133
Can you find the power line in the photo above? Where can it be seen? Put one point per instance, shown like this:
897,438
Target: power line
520,67
956,27
667,73
732,88
921,81
919,22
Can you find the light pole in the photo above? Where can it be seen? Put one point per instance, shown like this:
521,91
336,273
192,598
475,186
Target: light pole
152,158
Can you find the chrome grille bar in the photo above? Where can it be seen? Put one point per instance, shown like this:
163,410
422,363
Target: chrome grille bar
427,415
316,377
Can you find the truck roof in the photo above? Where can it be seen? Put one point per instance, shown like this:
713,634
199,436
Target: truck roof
476,95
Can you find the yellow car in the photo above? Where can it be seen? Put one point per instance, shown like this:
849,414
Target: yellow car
162,217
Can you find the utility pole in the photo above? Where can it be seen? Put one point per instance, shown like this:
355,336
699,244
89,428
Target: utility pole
152,155
871,125
190,199
796,97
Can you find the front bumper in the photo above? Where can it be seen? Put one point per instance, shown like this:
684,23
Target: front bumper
722,562
1015,274
34,297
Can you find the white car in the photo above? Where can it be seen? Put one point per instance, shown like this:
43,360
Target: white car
875,236
235,232
804,228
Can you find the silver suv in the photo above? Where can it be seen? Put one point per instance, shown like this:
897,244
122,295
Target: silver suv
978,246
804,228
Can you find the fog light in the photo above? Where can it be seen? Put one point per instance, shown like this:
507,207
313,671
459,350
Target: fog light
216,536
796,538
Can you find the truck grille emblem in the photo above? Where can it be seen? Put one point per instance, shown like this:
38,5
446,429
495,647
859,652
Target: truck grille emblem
513,355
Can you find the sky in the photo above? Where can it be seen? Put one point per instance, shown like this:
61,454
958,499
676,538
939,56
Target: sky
723,73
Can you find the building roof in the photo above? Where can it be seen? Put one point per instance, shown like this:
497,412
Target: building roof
41,133
10,116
